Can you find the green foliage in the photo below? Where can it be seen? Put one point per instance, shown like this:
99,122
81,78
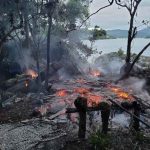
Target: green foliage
98,33
120,53
76,9
100,141
9,16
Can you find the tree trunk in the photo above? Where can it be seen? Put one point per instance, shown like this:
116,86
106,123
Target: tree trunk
26,26
133,63
130,32
48,50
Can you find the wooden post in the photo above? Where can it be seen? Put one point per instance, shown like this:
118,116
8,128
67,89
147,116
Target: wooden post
136,123
105,112
81,105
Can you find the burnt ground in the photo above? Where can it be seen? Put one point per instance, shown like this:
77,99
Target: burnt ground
16,113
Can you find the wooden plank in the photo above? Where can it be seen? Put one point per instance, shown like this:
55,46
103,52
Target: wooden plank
75,110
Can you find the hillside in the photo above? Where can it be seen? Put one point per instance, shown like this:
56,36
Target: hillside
144,33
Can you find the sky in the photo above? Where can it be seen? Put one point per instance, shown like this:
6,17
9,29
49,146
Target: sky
117,18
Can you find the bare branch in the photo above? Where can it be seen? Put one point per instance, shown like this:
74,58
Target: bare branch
118,2
110,3
14,28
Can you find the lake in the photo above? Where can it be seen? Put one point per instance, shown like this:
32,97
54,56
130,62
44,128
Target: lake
113,45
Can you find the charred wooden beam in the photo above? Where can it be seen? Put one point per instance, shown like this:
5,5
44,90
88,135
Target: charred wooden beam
133,115
81,105
96,108
136,123
105,113
75,110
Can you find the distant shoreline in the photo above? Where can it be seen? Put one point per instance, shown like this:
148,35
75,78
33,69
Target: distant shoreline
113,45
120,38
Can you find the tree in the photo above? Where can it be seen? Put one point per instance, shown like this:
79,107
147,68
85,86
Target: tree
50,6
131,6
69,14
98,33
11,19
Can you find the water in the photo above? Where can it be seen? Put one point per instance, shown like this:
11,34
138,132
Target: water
113,45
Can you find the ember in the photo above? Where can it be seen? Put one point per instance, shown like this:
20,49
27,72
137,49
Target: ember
32,73
95,73
62,93
121,93
44,108
26,83
81,90
81,80
93,99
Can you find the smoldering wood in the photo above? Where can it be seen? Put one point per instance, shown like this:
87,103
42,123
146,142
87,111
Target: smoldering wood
74,110
81,108
136,123
81,105
105,113
124,109
144,104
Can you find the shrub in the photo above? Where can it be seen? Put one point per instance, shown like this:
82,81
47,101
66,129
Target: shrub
100,141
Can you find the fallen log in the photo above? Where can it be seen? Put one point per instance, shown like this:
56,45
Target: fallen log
145,106
134,116
57,114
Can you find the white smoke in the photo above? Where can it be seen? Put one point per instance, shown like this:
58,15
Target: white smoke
137,86
108,65
27,60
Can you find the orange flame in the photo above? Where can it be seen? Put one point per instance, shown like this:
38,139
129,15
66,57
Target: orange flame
32,73
61,93
121,93
81,90
93,99
95,73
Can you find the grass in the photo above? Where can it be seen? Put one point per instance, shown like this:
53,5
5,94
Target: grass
100,141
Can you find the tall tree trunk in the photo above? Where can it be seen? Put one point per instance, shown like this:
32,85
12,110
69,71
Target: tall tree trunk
38,70
26,25
48,50
26,29
129,42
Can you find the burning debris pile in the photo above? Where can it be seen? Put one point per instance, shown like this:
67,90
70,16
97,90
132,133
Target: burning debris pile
22,83
121,93
52,107
22,101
